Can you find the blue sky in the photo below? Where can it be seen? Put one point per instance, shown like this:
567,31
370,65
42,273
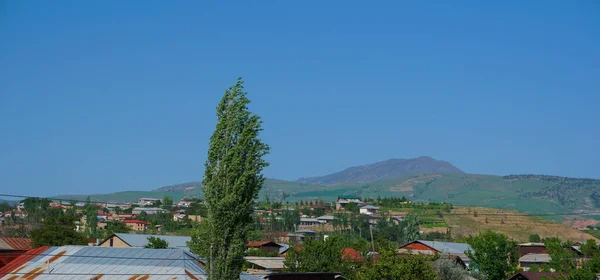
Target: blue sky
102,96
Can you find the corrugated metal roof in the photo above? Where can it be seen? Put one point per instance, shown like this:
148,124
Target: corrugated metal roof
7,243
271,263
369,207
536,258
448,247
81,262
141,240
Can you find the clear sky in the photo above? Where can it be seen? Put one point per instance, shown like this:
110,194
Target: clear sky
103,96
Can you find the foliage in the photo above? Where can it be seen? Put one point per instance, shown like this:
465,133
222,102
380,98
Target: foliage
448,269
5,206
590,248
390,266
91,219
156,243
562,259
57,232
232,180
167,202
535,238
403,232
352,207
317,255
116,226
495,254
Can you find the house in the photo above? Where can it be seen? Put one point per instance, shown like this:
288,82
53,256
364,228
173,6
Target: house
184,203
525,262
126,240
179,215
11,248
84,263
435,247
325,219
264,246
369,210
344,200
148,210
304,276
137,225
144,201
524,275
309,222
531,248
264,265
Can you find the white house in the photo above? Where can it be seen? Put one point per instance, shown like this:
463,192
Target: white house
369,210
147,201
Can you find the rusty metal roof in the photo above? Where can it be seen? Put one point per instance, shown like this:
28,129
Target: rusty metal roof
7,243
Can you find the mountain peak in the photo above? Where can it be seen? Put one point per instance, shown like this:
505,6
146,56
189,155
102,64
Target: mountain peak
391,168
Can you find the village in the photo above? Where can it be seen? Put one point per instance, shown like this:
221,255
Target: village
130,231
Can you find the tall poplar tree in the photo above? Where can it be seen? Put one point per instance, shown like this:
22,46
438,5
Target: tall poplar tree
232,179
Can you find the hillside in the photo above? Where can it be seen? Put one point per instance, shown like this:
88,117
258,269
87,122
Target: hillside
392,168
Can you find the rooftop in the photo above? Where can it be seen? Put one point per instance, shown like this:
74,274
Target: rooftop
535,258
260,243
135,222
327,217
87,262
369,207
271,263
20,244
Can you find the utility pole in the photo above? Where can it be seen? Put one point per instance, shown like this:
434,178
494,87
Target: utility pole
371,231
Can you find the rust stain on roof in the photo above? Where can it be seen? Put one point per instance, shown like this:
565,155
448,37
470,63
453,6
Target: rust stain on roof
60,254
17,264
145,277
34,273
13,277
191,275
97,277
133,277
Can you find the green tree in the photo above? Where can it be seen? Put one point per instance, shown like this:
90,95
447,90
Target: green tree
448,269
167,202
142,216
116,227
352,207
232,179
317,255
561,258
5,206
91,219
535,238
590,249
391,266
495,254
57,232
156,243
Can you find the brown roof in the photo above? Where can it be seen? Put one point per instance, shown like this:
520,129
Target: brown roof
536,275
7,243
260,243
352,254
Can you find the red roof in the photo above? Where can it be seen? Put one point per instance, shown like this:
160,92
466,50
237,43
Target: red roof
16,264
7,243
255,244
350,253
135,222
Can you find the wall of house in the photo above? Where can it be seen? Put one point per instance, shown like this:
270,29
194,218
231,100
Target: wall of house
117,242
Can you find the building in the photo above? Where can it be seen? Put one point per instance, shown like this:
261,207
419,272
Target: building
435,247
179,215
264,265
309,222
536,275
184,203
532,248
525,262
144,201
137,225
126,240
325,219
148,210
369,210
85,263
307,232
11,248
345,199
264,246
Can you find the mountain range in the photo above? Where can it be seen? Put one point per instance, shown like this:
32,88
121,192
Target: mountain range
419,179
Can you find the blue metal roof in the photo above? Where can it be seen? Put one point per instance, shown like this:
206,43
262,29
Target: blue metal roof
448,247
86,262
